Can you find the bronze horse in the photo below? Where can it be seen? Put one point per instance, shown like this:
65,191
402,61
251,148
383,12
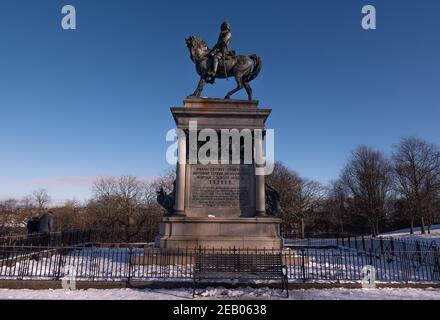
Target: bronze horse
243,68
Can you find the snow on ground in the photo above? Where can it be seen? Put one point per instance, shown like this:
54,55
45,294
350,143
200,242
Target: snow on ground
224,294
405,233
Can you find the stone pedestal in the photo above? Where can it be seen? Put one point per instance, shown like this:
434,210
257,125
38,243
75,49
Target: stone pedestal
220,233
220,205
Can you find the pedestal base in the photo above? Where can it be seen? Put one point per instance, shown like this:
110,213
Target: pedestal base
220,233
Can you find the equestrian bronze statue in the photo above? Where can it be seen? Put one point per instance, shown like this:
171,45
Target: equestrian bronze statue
222,63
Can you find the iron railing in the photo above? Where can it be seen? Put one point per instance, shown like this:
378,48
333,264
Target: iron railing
146,263
97,255
71,237
423,251
75,237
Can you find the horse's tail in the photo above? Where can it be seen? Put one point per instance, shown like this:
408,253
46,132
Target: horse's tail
258,63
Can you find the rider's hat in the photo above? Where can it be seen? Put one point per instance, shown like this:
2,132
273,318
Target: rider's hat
226,25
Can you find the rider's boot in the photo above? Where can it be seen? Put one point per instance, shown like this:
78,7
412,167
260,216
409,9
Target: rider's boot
213,72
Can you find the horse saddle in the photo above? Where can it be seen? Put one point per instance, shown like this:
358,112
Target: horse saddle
230,55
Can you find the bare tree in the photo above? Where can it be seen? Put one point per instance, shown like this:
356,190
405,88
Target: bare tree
42,198
165,180
308,198
417,170
337,204
432,213
368,178
8,212
122,204
68,216
286,182
299,197
102,207
131,215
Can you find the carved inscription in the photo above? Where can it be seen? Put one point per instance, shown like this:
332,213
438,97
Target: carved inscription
221,186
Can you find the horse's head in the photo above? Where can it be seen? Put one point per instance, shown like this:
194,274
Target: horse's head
197,48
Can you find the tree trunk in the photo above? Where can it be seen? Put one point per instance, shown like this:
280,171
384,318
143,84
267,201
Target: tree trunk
412,226
422,225
373,229
302,227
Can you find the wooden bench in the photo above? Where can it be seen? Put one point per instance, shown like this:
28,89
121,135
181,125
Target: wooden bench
239,266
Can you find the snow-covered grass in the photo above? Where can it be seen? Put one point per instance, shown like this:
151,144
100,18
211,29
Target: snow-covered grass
224,294
96,264
405,234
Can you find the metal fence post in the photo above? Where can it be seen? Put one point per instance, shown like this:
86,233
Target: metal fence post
436,264
129,264
418,252
60,263
381,245
303,267
405,263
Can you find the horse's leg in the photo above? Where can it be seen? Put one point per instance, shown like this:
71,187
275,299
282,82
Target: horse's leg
200,87
239,87
248,90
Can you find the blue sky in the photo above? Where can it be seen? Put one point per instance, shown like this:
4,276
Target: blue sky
79,104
